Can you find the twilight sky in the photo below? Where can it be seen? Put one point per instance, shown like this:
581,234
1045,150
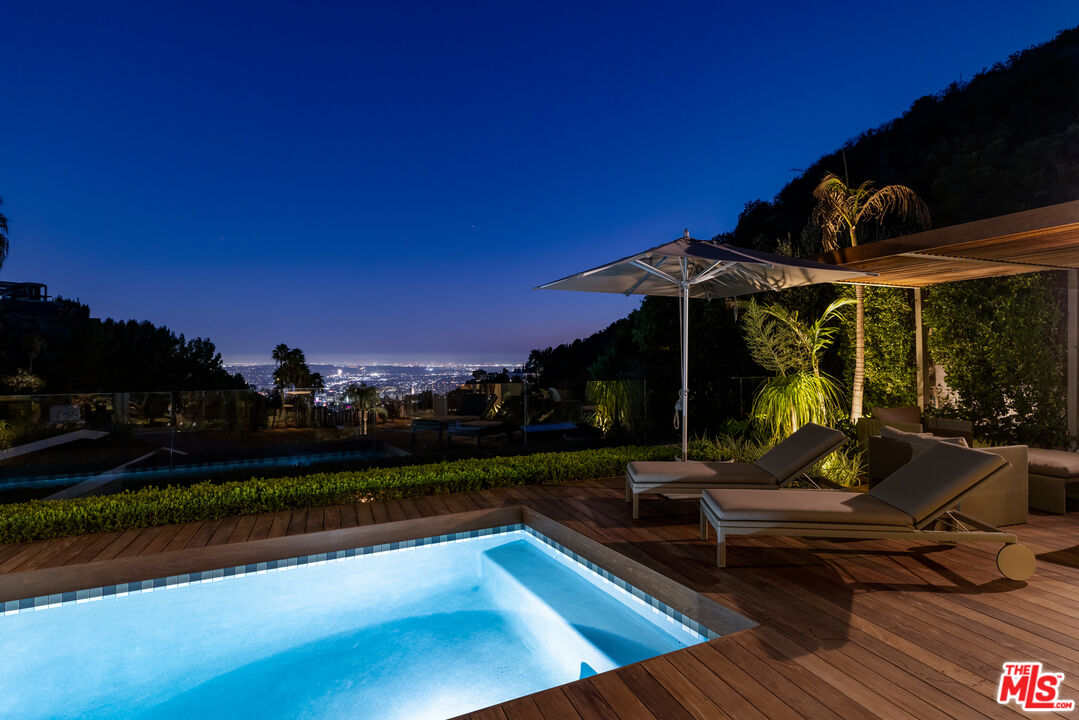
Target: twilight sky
390,180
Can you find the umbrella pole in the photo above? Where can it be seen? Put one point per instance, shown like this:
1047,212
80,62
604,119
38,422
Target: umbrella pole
684,296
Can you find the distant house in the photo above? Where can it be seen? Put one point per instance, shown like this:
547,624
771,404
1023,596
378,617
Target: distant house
23,292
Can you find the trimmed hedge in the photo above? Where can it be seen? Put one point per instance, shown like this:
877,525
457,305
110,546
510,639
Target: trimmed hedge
43,519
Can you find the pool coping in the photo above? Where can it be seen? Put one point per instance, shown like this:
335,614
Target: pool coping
50,586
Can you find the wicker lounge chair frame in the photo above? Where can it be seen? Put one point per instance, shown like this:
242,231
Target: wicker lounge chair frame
1014,561
636,488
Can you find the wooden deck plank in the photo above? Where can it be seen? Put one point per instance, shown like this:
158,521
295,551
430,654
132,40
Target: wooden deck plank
364,514
650,692
260,530
524,708
204,533
395,510
297,524
379,512
280,524
410,508
331,518
40,555
348,516
117,546
316,520
162,540
693,698
242,531
90,551
555,705
866,629
224,531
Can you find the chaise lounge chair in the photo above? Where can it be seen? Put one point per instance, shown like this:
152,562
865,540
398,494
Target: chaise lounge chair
778,467
911,503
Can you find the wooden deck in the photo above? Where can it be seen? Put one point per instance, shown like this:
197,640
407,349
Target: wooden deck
847,629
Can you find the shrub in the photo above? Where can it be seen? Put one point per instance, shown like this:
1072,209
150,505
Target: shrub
998,341
42,519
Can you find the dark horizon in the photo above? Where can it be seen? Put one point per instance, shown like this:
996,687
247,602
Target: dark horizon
393,182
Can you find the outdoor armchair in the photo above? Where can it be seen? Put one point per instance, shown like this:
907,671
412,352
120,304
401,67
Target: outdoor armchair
916,502
778,467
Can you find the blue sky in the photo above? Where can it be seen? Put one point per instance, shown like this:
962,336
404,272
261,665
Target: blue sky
392,179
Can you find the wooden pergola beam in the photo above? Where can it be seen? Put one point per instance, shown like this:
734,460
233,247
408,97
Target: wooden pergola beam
1038,240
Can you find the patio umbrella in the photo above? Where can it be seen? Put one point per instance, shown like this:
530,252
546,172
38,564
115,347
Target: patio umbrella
689,268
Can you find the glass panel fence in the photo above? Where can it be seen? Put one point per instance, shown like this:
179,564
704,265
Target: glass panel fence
67,445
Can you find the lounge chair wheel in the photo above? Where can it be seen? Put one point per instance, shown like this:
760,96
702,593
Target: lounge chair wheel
1015,562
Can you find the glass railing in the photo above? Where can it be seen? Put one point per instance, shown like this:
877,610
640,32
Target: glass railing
67,445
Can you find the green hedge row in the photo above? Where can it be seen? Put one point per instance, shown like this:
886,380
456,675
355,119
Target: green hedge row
42,519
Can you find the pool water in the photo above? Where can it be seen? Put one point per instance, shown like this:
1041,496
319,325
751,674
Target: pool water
430,631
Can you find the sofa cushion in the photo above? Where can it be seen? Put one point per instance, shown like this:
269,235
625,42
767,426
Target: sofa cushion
931,482
803,506
896,434
706,474
907,414
1054,463
920,442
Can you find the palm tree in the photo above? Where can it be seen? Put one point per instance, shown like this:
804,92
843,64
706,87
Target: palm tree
3,236
841,210
34,345
781,341
292,370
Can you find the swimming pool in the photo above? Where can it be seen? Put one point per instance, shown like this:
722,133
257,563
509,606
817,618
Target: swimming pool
426,628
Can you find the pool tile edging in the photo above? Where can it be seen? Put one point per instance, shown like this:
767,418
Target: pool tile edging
43,602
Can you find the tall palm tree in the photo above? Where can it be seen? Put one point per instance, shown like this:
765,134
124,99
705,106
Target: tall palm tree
34,345
3,236
781,341
841,210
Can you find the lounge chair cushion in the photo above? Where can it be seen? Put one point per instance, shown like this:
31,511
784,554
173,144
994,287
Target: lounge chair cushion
805,445
803,506
931,482
1054,463
707,474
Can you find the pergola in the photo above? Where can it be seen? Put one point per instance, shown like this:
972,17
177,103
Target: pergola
1038,240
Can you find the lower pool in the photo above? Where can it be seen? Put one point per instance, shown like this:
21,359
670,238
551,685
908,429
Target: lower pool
422,629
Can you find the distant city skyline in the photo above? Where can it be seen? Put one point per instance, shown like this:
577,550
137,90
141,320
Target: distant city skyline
390,180
392,379
433,360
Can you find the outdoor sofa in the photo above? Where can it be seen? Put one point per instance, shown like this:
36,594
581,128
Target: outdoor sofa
909,418
917,502
1054,477
1000,501
778,467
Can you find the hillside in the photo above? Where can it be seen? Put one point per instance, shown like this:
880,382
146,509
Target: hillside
1007,140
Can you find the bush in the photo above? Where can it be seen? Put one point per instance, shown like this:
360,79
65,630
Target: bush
43,519
998,341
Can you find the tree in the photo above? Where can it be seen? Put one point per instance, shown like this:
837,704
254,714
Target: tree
292,370
34,345
366,399
843,210
780,341
3,236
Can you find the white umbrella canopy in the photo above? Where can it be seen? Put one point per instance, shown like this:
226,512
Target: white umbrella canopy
690,268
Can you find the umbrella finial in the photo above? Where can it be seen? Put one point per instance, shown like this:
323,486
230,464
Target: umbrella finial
685,233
